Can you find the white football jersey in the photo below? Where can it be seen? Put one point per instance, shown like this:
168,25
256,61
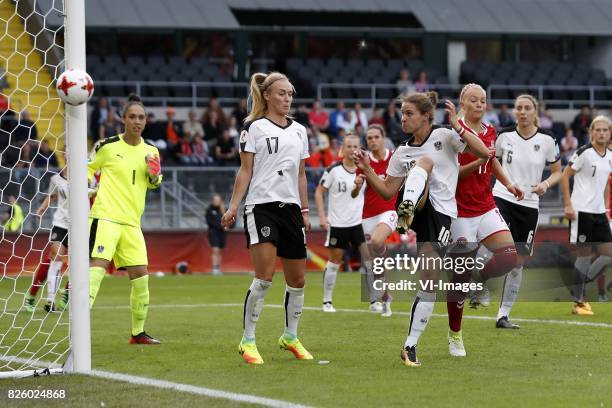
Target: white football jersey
524,160
58,185
592,172
278,154
442,145
343,210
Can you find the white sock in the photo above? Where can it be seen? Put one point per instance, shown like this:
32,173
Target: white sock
294,303
54,276
598,266
415,184
581,268
329,280
512,284
373,294
422,308
253,303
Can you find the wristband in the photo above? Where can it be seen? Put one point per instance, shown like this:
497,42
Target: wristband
547,184
305,210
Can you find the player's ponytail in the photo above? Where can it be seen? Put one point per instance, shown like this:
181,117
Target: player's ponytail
260,83
536,107
132,100
425,102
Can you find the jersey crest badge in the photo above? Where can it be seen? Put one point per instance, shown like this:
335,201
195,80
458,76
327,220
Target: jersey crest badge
100,249
265,231
536,147
438,145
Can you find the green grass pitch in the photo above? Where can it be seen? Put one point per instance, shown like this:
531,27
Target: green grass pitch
198,319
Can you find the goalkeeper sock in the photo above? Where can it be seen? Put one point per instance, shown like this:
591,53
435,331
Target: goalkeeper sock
373,293
139,303
40,277
294,303
96,274
329,280
253,304
598,266
581,268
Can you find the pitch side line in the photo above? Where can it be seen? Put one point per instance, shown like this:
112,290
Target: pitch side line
272,306
192,389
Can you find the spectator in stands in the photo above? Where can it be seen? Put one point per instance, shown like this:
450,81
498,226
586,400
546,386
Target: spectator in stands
506,119
213,128
569,144
580,125
201,152
98,117
226,153
234,130
301,115
12,222
376,118
404,82
321,155
422,83
155,134
45,157
110,127
23,133
173,129
240,113
393,123
4,104
213,106
491,116
546,120
192,127
184,152
358,117
338,120
318,117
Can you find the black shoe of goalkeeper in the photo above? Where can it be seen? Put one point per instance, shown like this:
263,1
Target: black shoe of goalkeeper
504,323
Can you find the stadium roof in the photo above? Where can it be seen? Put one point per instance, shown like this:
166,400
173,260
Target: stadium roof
552,17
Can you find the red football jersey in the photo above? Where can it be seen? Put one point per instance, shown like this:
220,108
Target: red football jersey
373,203
474,196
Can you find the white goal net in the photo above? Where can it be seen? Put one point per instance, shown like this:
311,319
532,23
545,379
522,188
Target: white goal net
34,322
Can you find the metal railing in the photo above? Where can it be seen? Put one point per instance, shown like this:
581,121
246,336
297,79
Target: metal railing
196,94
374,94
192,94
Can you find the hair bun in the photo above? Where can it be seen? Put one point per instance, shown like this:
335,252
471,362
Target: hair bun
132,97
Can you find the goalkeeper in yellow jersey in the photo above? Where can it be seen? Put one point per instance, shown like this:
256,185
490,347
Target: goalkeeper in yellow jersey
128,167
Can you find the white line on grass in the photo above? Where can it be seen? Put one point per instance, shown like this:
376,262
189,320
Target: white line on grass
518,319
192,389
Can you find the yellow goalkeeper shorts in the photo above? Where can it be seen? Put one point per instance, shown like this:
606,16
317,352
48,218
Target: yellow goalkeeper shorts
122,243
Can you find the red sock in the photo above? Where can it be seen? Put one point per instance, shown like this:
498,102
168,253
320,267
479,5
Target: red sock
454,302
503,261
601,283
40,276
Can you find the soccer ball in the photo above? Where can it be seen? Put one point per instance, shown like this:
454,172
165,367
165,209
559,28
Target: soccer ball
75,87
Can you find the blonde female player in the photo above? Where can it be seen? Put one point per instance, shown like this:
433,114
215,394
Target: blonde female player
479,221
589,227
428,161
128,167
272,152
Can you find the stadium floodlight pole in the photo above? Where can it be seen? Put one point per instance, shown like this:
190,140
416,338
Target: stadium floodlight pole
76,135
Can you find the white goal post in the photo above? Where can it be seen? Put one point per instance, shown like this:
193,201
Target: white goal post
32,55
